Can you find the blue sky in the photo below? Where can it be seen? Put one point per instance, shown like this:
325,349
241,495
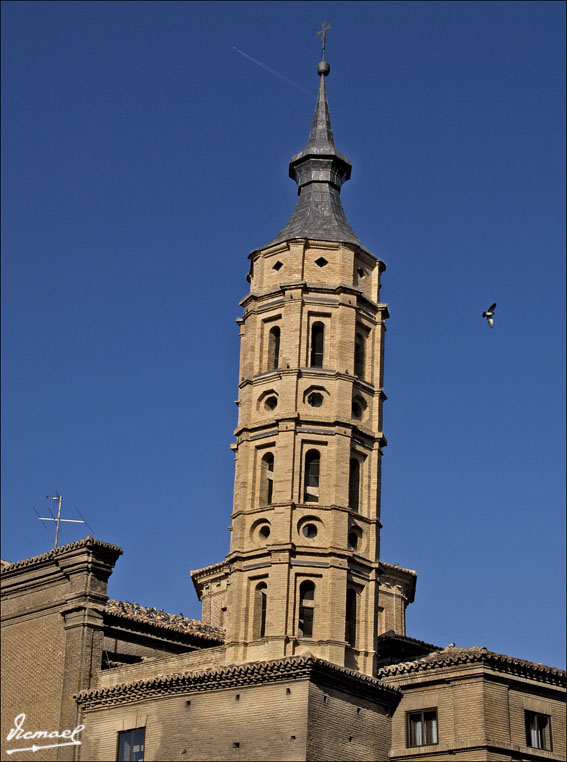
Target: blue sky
143,158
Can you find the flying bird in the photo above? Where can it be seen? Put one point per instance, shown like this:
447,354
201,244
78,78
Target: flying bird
489,315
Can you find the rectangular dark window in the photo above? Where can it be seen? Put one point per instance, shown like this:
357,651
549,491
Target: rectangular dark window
311,486
131,745
305,629
422,727
538,731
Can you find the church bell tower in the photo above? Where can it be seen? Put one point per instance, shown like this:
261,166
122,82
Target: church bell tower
303,569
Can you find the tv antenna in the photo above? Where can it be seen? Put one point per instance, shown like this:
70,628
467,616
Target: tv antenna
59,520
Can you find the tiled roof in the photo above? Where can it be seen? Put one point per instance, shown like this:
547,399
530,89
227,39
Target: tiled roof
305,666
88,542
208,569
397,567
406,639
160,618
451,656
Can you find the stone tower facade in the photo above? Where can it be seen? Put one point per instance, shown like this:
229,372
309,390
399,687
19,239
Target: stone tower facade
303,568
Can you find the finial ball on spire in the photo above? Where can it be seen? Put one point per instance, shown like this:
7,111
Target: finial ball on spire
323,68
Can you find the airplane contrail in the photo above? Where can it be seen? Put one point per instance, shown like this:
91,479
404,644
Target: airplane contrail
271,71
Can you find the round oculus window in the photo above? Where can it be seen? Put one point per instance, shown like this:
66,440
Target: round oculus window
309,531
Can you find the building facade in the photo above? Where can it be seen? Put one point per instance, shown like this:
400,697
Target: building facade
302,652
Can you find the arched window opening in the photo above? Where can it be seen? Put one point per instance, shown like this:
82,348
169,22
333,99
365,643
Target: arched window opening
358,408
271,402
312,466
353,540
317,342
306,609
359,355
267,479
351,604
274,348
260,608
354,484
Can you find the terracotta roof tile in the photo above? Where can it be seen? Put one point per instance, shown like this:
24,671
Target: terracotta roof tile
451,656
54,552
160,618
398,568
303,666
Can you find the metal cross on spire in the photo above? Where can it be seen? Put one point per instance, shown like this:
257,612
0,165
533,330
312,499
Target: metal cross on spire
323,32
59,520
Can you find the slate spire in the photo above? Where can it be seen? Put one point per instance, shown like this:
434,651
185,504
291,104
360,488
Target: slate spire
319,171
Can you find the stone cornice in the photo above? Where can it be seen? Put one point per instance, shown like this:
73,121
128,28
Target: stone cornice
208,570
453,657
305,667
312,288
330,426
200,576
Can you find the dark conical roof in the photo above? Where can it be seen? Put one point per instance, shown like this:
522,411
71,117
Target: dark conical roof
319,171
321,136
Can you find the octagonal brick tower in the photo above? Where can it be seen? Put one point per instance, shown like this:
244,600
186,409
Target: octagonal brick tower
303,568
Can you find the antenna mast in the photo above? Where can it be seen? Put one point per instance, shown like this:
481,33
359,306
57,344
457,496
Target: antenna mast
58,520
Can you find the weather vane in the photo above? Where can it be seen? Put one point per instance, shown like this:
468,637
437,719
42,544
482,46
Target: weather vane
323,32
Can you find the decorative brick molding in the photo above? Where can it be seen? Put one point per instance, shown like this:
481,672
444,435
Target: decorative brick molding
451,657
88,542
305,667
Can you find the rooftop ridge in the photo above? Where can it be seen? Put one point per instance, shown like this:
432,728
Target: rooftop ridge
89,541
452,656
398,568
228,676
161,618
207,569
391,634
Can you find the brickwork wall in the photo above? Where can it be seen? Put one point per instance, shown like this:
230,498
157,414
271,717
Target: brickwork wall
265,721
424,697
496,710
481,715
33,653
393,604
162,665
139,645
345,727
532,699
293,286
52,637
